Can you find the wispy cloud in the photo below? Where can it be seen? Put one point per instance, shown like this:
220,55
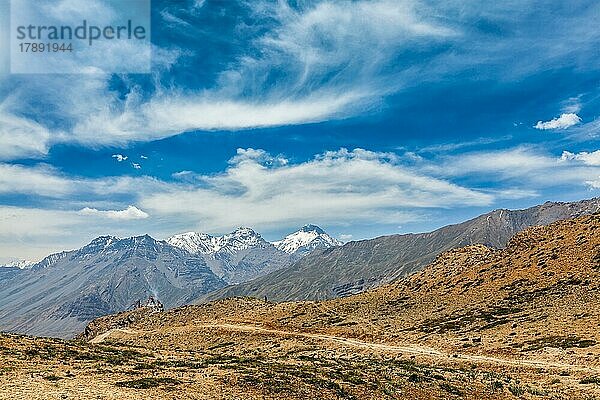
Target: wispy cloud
330,60
521,170
449,147
34,232
21,137
345,237
313,62
41,180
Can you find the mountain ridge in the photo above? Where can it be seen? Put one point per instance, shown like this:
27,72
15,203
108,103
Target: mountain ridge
244,255
360,265
59,294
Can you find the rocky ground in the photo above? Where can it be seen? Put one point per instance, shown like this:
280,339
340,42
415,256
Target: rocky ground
478,323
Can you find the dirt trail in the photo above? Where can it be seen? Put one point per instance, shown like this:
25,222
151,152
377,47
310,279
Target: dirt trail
412,349
409,349
102,337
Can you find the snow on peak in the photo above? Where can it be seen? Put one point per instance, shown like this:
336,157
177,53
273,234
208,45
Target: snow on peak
238,240
307,239
194,242
21,264
312,228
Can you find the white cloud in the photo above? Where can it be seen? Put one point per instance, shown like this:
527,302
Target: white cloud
120,157
257,189
563,122
130,213
33,233
572,105
586,158
198,4
506,163
259,156
21,137
136,166
519,172
43,180
40,180
173,114
172,19
71,11
335,187
330,59
593,184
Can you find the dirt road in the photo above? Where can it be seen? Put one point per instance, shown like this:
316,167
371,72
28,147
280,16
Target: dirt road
406,349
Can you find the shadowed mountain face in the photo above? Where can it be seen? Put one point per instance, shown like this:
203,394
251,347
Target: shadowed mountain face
60,294
357,266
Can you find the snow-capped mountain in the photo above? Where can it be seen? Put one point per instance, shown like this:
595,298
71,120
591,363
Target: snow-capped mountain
238,240
21,264
61,293
241,239
194,242
236,257
307,239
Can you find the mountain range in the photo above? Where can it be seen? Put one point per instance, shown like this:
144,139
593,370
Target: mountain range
243,254
60,294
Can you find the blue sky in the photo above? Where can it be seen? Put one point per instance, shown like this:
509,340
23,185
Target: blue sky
363,117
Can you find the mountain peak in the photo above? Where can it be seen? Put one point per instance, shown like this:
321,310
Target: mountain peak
194,242
312,228
240,239
243,232
305,240
244,229
99,244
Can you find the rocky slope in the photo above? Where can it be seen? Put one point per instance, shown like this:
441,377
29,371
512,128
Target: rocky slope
360,265
520,322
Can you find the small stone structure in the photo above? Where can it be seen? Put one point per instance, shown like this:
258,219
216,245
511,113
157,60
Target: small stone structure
152,303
